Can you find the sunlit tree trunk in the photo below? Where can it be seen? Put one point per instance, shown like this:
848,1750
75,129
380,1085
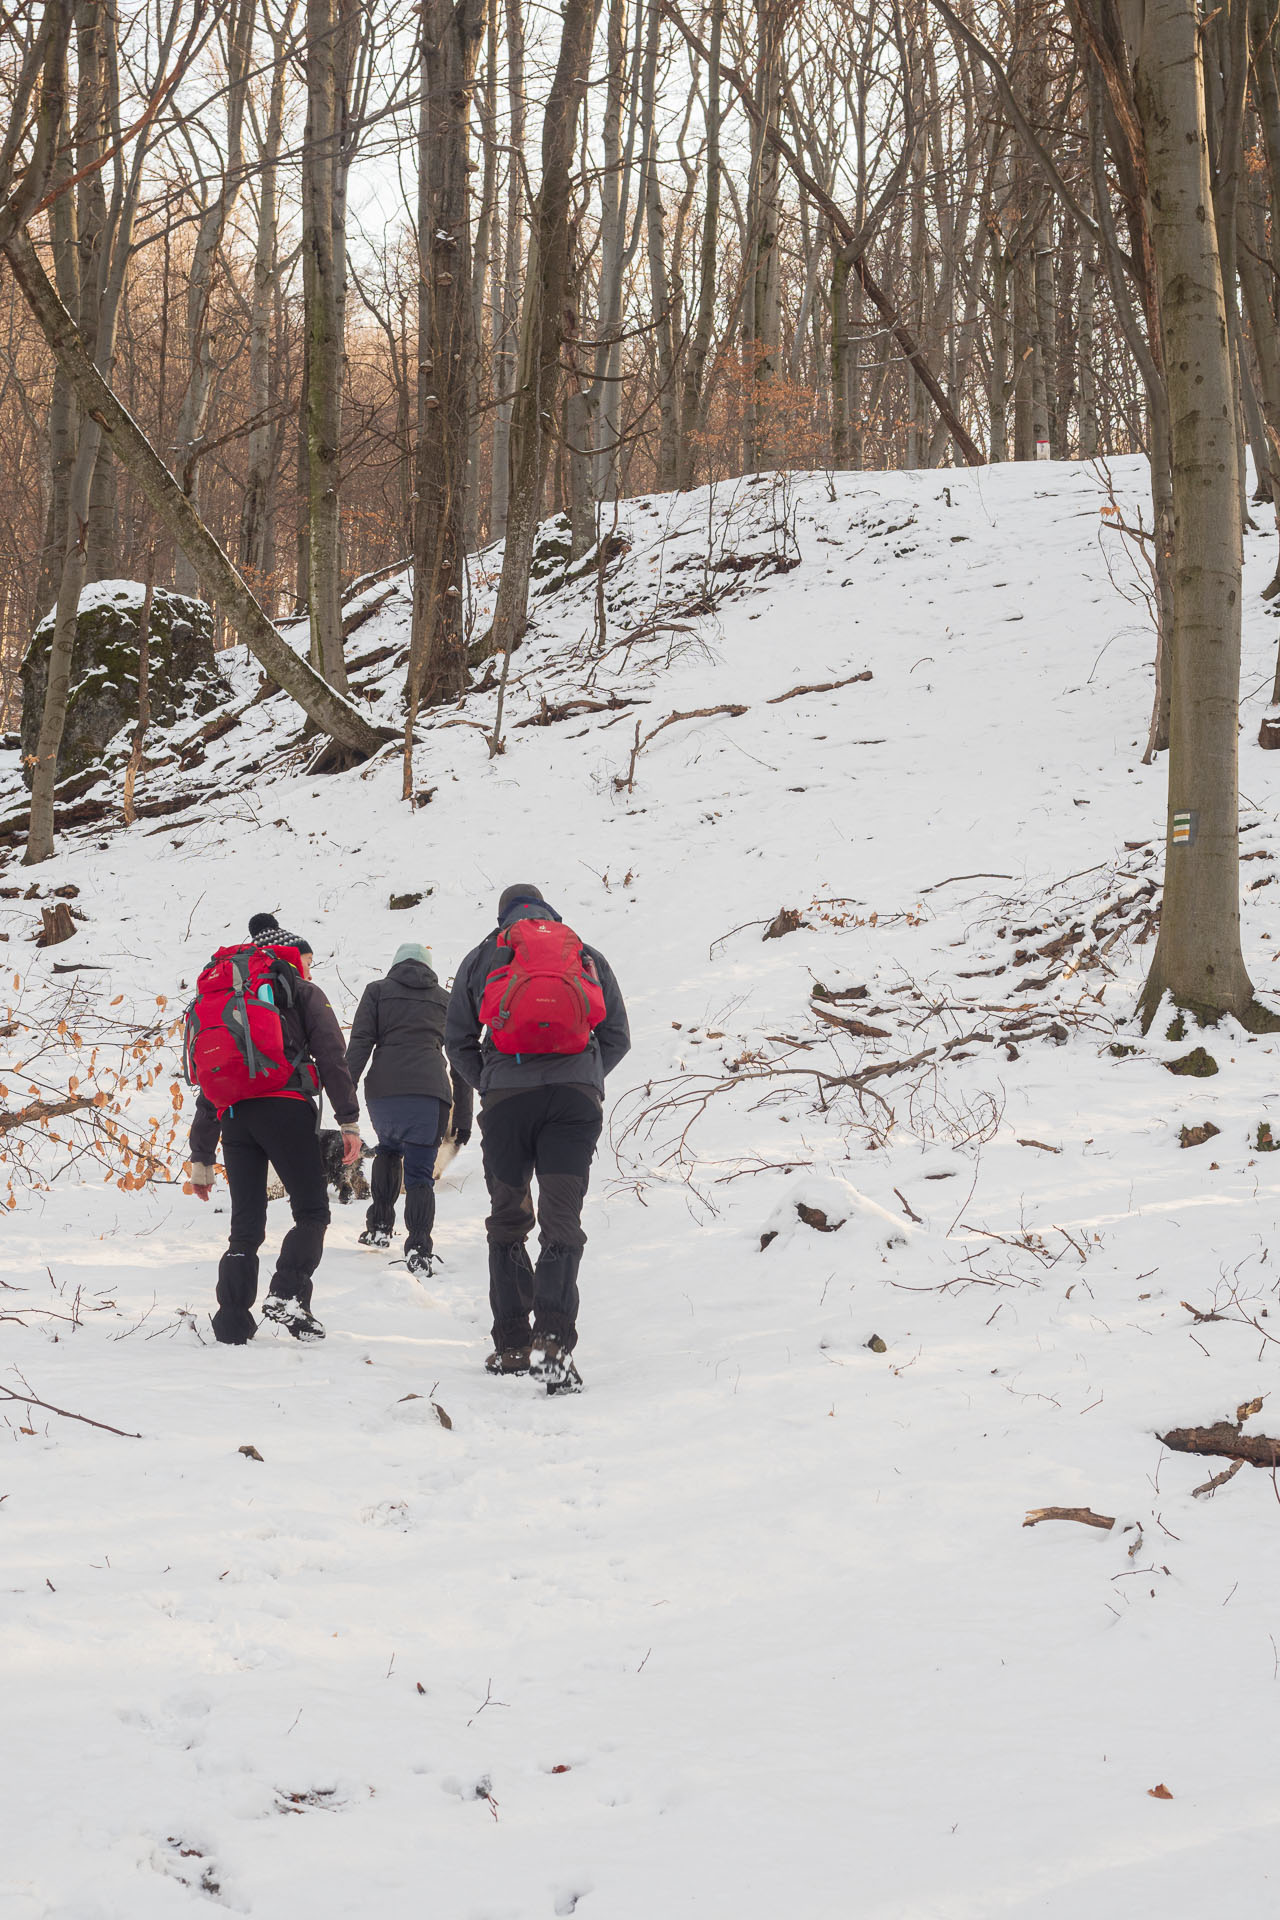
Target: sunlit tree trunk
1198,958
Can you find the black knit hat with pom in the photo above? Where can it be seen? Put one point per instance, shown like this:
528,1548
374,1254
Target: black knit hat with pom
265,931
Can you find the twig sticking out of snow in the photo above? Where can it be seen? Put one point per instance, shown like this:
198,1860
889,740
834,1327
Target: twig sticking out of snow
29,1399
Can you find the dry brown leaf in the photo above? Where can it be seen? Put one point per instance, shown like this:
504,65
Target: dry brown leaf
1248,1408
1159,1793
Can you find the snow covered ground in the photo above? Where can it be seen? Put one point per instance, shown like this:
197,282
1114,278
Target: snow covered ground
753,1627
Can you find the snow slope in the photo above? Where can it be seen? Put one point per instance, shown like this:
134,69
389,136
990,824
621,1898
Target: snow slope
752,1628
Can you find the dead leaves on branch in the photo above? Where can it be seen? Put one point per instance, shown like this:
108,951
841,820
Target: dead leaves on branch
79,1063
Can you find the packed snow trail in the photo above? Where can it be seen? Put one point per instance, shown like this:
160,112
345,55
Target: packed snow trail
752,1626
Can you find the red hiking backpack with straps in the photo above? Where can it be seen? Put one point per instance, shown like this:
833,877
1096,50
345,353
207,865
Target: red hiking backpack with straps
547,997
235,1046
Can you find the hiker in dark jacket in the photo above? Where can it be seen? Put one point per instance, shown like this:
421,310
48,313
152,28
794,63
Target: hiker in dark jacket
282,1131
539,1113
413,1100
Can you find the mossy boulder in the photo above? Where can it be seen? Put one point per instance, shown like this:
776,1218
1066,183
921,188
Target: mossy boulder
551,553
182,678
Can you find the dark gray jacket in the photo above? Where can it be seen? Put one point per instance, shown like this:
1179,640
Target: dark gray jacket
400,1021
476,1059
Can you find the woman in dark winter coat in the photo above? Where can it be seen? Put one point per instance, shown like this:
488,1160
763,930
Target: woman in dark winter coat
410,1095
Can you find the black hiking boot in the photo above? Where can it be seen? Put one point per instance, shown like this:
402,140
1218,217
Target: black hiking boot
375,1237
293,1317
420,1264
507,1360
554,1366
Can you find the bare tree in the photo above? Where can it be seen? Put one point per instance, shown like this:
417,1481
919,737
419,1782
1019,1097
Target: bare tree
545,322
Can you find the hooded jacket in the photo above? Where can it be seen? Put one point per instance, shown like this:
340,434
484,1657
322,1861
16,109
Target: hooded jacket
478,1061
400,1022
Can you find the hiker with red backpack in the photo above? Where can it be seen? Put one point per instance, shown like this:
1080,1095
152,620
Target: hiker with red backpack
412,1099
261,1042
535,1023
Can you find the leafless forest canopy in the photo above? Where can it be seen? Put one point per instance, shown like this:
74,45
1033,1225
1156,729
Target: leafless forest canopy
784,221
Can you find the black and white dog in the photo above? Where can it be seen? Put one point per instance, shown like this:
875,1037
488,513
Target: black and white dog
349,1183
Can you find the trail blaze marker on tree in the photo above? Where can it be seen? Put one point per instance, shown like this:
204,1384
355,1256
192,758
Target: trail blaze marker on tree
1184,829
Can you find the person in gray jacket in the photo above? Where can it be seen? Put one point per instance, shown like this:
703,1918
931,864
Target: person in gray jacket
410,1096
539,1113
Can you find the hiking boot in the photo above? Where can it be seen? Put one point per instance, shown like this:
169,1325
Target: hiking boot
419,1263
293,1317
555,1367
507,1360
375,1237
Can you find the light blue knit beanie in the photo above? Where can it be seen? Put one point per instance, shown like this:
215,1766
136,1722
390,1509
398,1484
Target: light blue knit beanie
412,950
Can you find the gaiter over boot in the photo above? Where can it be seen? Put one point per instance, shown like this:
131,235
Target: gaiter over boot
233,1324
384,1189
419,1217
555,1296
510,1294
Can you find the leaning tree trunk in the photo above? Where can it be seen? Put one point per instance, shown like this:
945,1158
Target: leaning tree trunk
1197,959
542,328
222,584
451,36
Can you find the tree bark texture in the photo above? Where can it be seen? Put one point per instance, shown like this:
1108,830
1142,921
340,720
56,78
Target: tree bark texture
451,36
1198,958
324,279
544,324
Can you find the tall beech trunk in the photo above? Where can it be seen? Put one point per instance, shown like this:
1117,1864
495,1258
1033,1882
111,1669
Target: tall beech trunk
599,410
193,416
324,281
764,297
544,325
487,250
257,541
655,236
221,582
507,332
699,346
1197,958
44,775
451,36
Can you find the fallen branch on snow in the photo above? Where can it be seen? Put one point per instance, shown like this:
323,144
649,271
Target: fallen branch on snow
1217,1480
1085,1515
624,783
827,686
1224,1441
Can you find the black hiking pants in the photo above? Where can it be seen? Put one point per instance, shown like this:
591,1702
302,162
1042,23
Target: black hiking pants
551,1132
257,1134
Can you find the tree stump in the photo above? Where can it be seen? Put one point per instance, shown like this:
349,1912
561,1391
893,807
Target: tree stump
58,925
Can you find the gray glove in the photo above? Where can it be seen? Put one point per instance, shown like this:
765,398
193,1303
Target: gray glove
202,1176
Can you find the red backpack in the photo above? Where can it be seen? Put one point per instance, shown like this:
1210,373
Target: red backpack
235,1046
547,997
